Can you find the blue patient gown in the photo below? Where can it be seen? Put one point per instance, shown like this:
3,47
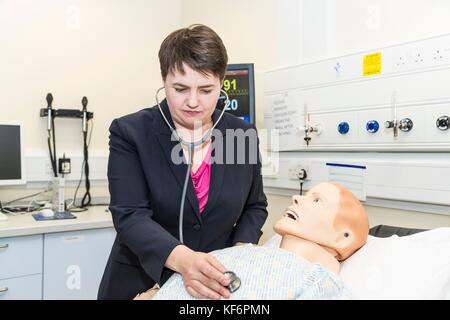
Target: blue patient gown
267,273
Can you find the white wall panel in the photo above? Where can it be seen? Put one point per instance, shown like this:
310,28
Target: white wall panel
406,171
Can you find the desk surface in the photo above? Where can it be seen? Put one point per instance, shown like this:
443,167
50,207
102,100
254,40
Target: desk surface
24,225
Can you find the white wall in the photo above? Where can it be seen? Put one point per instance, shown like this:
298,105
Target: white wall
110,56
106,50
337,27
364,24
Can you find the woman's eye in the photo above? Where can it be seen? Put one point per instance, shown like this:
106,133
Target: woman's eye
317,200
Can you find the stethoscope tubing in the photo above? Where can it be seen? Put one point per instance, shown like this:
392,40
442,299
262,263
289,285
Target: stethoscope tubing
235,282
190,146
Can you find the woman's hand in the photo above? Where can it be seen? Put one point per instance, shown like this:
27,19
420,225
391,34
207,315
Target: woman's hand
147,295
202,273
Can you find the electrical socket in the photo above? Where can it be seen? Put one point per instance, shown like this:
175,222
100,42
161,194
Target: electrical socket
418,58
438,54
296,172
401,61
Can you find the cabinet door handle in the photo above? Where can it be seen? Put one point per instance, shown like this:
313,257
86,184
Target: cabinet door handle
4,246
3,289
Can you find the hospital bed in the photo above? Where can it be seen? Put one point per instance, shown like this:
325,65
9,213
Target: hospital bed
397,263
400,263
384,231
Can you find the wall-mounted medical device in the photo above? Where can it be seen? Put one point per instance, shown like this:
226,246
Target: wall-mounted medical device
309,128
380,125
443,123
372,103
239,84
64,164
50,112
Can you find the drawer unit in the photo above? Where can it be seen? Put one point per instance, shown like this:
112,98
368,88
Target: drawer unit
21,288
74,263
20,256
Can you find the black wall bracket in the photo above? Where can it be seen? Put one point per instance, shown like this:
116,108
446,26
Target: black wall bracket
65,113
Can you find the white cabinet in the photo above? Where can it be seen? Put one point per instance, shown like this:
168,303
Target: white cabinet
74,262
21,288
59,266
21,267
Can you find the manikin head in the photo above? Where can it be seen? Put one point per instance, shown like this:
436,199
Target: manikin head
328,215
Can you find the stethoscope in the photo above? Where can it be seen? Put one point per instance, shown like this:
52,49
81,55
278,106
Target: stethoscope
235,282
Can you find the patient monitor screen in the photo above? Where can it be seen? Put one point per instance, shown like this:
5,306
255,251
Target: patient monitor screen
239,85
10,158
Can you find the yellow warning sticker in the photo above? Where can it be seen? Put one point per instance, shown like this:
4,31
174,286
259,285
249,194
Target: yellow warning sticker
372,64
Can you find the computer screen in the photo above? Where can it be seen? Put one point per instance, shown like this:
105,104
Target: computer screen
240,85
11,157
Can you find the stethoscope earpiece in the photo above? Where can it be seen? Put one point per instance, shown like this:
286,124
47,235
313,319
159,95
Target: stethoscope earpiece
207,135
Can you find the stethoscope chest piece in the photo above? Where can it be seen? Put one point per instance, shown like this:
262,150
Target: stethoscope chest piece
235,282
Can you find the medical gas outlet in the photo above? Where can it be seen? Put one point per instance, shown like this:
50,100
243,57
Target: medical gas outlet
391,124
308,130
343,127
404,125
372,126
443,123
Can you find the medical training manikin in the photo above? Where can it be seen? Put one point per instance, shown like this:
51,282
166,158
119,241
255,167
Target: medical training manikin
318,230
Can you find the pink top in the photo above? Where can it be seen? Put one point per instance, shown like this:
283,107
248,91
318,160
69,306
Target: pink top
201,179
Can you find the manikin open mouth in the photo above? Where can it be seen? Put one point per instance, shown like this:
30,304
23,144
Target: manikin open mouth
291,214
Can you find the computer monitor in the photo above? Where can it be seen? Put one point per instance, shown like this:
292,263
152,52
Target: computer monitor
12,165
239,83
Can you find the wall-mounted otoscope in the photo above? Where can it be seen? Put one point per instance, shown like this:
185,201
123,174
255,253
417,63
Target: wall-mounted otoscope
85,116
49,99
84,102
65,113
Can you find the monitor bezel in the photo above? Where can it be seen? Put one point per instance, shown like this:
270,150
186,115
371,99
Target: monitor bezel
23,180
251,79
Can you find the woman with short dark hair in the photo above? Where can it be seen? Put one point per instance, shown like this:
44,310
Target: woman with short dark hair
177,191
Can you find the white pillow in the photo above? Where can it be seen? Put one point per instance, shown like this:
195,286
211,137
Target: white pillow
410,267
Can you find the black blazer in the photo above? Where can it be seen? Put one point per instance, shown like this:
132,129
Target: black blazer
145,188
